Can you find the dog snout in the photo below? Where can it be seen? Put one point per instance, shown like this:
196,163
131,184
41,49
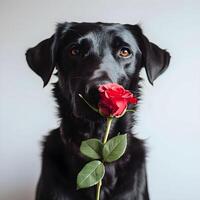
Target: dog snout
92,93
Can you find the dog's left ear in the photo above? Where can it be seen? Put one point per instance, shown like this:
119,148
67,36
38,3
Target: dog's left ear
41,58
155,60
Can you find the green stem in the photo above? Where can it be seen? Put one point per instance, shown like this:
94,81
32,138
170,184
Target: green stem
108,125
130,110
98,190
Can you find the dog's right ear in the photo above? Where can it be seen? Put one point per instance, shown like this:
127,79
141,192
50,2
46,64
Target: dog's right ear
41,58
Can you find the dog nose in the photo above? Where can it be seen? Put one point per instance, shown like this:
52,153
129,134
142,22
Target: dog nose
91,89
92,93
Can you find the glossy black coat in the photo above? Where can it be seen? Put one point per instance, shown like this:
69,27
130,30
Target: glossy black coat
96,63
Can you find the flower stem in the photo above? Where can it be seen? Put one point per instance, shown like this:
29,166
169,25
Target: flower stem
130,110
98,190
108,125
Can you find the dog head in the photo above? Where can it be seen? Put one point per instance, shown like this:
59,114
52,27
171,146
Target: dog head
89,54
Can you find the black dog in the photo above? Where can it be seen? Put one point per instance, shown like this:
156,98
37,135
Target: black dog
86,55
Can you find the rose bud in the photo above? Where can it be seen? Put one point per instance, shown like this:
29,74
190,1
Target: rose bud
114,100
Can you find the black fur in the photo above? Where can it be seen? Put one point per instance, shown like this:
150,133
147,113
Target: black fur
96,62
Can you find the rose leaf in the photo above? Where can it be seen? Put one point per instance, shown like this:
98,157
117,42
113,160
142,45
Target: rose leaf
92,148
115,148
90,174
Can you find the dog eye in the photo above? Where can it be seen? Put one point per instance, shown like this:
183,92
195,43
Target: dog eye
74,50
124,52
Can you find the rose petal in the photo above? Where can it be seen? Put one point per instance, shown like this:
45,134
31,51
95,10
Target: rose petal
114,99
133,100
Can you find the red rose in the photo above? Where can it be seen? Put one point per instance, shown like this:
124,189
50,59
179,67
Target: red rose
114,100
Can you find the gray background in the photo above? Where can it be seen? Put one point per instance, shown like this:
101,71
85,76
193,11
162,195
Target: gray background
169,112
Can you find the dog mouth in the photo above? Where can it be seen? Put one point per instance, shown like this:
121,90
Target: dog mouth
93,96
81,108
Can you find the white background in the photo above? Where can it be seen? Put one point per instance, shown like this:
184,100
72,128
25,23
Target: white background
169,113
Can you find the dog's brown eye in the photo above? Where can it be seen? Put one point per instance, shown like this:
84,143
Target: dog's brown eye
74,51
124,52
